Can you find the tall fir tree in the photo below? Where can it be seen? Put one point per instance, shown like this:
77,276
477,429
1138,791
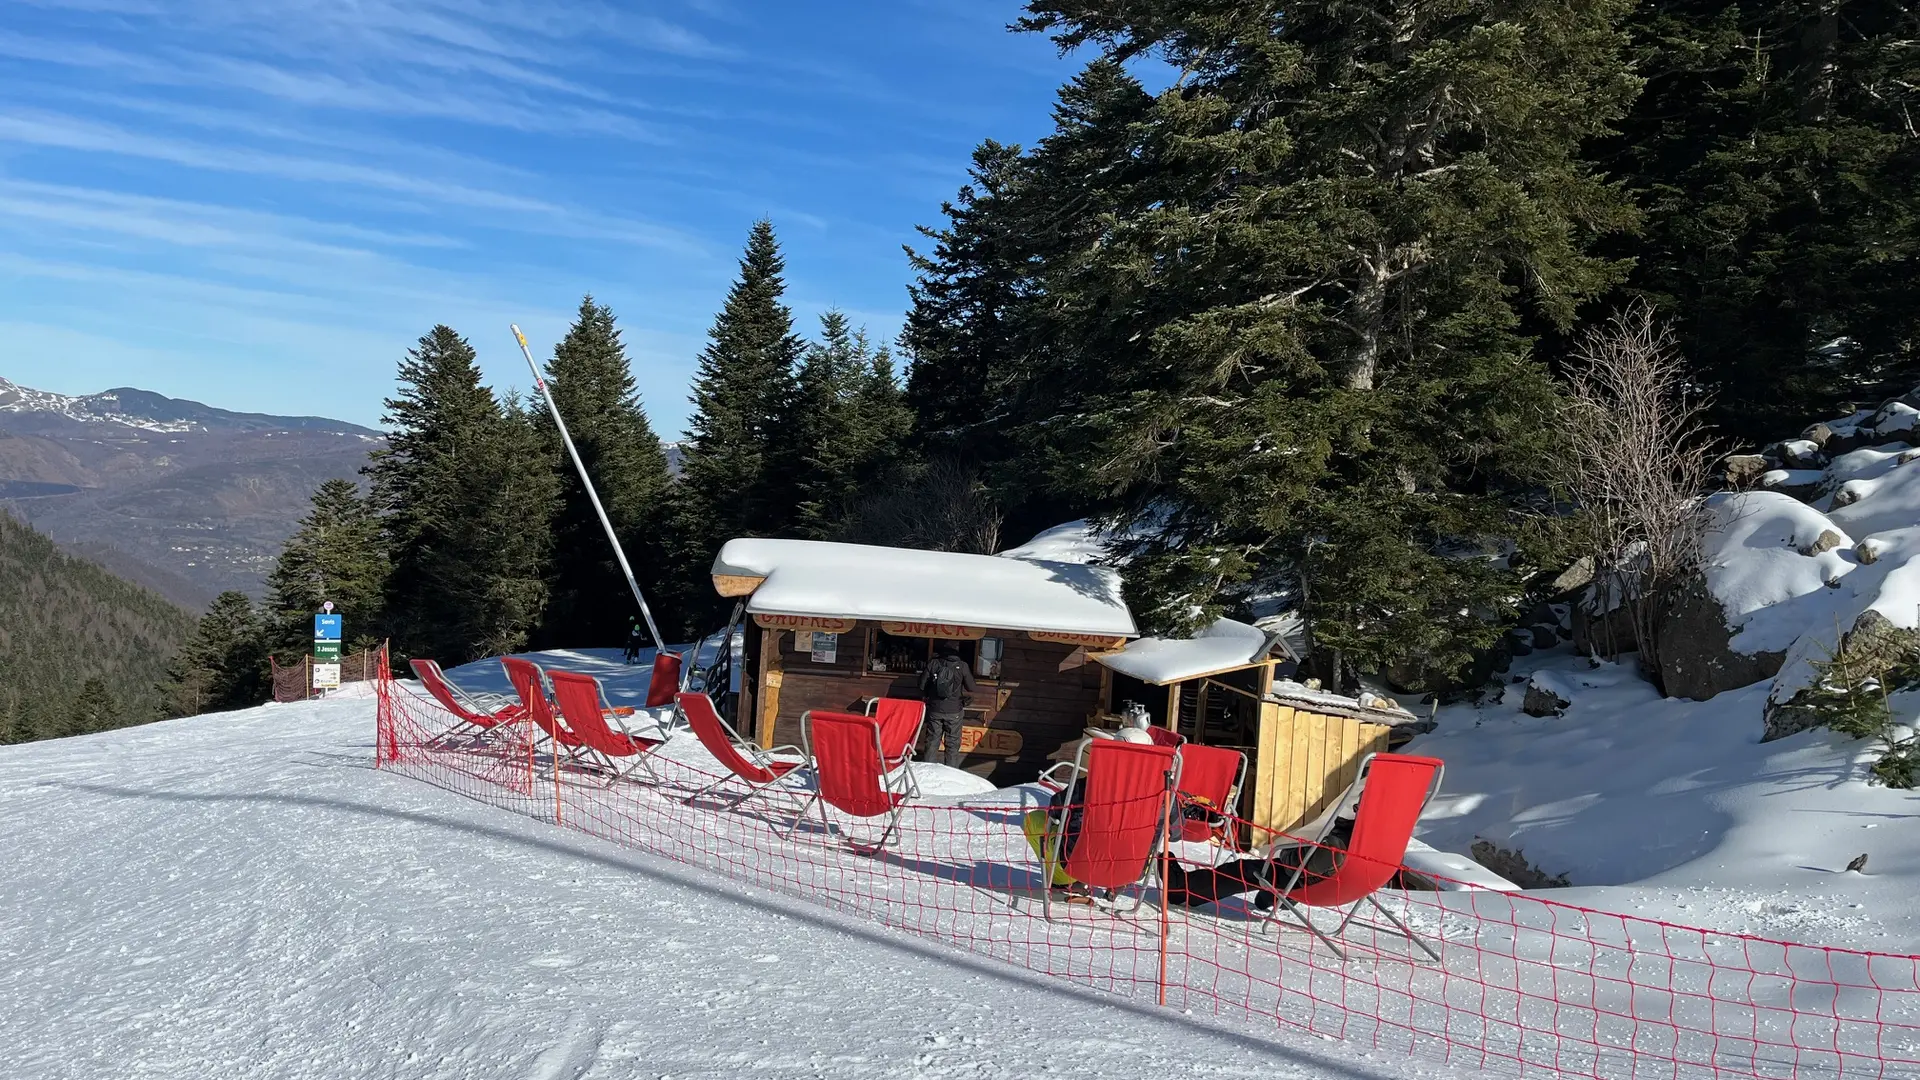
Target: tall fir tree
92,709
224,664
741,456
464,494
963,333
1777,152
851,423
337,555
1277,313
592,385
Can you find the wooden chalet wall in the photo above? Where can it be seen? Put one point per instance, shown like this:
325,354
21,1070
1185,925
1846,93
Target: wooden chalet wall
1026,719
1304,762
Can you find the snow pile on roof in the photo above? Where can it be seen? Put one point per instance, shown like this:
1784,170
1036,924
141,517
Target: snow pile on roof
1220,647
809,577
1074,542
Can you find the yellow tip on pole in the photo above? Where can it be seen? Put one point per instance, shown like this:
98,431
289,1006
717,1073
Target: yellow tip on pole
517,335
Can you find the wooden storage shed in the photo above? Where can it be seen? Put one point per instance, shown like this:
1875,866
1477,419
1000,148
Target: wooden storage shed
1218,688
833,626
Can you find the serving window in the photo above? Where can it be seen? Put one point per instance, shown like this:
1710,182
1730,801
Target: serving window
893,654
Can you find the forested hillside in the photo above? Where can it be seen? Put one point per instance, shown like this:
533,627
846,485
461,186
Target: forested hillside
80,649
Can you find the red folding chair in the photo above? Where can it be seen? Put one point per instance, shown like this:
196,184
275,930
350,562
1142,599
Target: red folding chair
1213,774
1124,811
1394,790
852,773
901,720
530,683
757,768
585,710
473,711
1163,737
665,681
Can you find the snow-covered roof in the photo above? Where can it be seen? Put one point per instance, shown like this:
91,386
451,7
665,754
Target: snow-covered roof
1221,647
811,577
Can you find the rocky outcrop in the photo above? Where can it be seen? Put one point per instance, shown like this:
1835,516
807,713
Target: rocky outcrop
1697,659
1873,645
1742,471
1826,541
1543,701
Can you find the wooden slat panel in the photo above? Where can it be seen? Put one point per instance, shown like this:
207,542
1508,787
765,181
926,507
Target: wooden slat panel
771,670
1268,765
1297,779
1324,728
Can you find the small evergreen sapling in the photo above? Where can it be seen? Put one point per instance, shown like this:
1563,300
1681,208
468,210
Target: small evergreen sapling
1851,701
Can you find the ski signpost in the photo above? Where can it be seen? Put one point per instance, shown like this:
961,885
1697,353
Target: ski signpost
326,649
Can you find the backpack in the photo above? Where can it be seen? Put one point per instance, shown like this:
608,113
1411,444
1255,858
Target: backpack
943,680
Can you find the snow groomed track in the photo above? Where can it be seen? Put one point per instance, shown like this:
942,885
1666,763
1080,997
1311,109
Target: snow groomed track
1523,986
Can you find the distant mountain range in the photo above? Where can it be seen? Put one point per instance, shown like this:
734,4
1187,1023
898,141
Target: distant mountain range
182,497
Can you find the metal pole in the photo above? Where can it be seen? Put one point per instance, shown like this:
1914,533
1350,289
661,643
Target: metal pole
619,554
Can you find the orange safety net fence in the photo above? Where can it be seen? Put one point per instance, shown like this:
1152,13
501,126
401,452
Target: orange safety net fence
1522,985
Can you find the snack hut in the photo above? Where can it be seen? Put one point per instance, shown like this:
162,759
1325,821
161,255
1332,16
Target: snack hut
835,626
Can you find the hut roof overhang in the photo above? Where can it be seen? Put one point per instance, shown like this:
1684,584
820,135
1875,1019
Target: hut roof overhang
859,581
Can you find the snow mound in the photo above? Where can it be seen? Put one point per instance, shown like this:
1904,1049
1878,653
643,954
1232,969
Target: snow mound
1795,566
1674,809
1756,568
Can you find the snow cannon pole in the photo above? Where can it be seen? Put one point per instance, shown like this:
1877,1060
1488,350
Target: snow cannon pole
619,554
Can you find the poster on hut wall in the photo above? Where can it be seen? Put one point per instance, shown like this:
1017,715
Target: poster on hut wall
825,648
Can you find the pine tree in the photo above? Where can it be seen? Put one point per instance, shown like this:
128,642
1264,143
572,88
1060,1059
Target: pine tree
1278,315
464,491
740,458
963,332
1776,151
224,664
850,422
593,387
338,554
525,489
93,709
13,726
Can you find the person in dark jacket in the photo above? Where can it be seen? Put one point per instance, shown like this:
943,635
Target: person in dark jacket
947,688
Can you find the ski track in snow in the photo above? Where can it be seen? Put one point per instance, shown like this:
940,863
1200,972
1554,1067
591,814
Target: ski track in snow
241,895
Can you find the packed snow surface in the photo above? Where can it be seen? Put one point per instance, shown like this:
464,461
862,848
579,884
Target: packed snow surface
1674,809
814,578
242,896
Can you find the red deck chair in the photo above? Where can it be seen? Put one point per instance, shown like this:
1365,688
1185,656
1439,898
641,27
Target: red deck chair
666,679
1395,788
754,766
1163,737
1213,773
1124,814
585,710
530,683
474,712
852,771
900,722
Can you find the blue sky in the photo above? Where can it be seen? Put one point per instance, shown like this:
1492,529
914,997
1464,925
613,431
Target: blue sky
260,204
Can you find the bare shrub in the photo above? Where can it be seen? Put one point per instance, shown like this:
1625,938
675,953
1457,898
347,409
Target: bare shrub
940,506
1637,460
